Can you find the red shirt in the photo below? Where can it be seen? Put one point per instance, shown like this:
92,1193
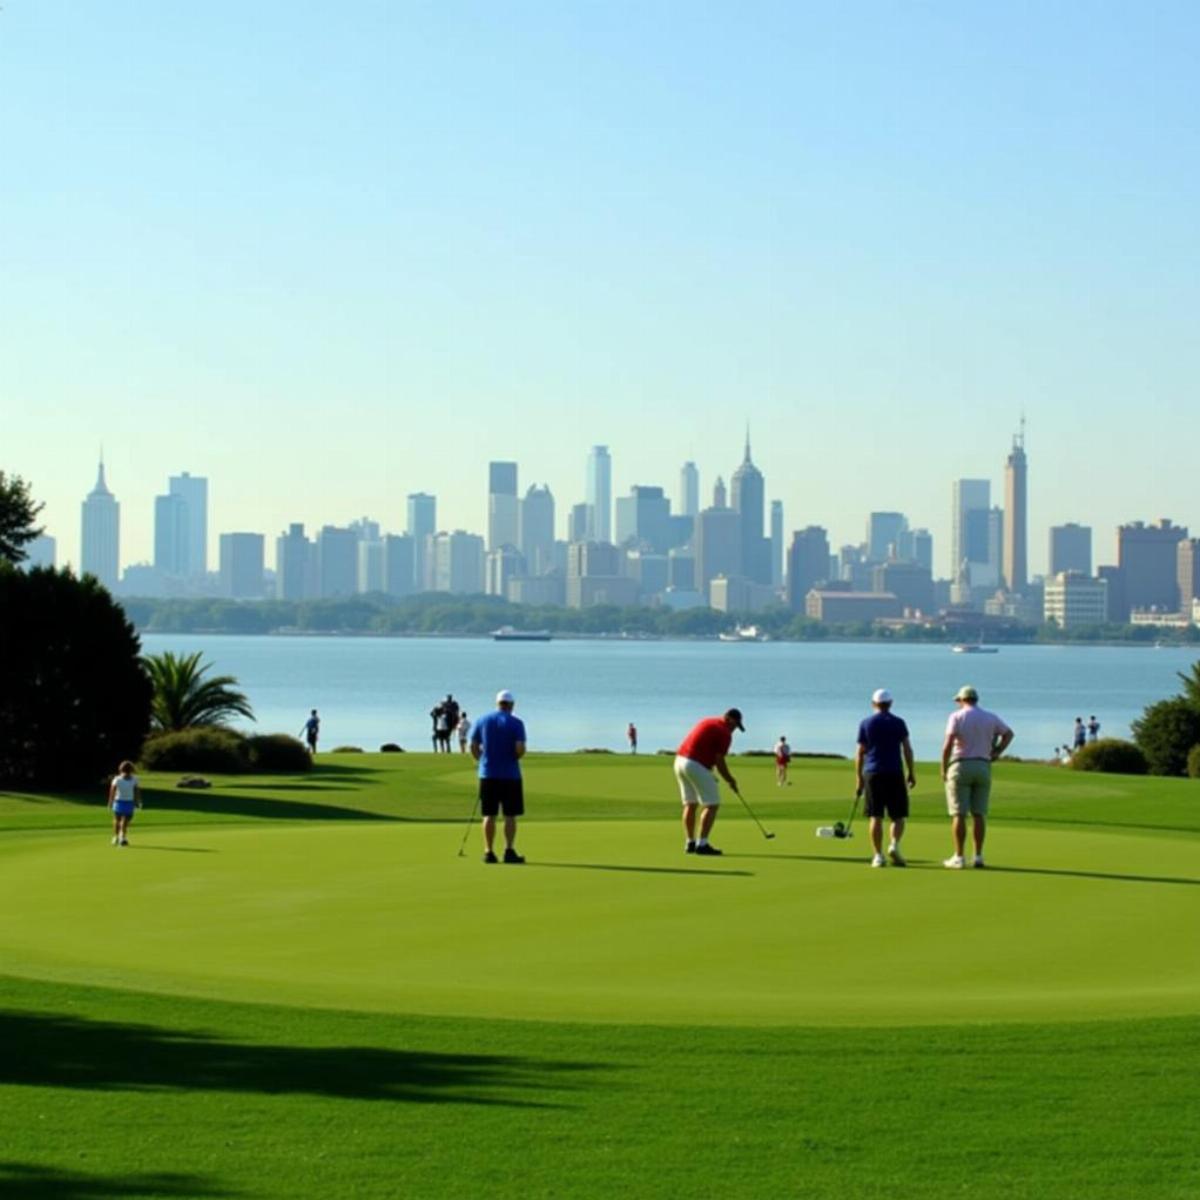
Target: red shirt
708,741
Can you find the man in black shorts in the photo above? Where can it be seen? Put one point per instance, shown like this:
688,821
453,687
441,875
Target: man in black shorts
880,774
497,745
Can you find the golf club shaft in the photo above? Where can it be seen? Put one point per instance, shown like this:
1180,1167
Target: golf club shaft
757,822
470,826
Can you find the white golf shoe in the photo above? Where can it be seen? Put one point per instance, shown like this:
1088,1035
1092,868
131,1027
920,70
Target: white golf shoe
978,862
879,861
955,862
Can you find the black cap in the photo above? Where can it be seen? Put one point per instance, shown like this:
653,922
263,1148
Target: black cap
735,715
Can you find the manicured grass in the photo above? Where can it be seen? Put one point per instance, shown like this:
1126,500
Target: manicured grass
613,1017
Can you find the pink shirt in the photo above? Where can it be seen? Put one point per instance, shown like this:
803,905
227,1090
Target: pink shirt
974,731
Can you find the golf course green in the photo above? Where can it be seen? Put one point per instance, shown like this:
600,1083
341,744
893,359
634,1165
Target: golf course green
297,985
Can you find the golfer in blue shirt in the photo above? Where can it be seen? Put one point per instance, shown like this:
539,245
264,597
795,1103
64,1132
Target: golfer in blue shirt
497,745
882,740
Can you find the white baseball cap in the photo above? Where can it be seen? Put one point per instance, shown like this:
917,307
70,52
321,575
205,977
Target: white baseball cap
882,696
505,697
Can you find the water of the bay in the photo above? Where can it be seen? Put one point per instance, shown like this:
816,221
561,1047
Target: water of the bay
575,694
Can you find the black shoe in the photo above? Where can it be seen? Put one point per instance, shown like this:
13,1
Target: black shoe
511,856
489,857
706,849
689,848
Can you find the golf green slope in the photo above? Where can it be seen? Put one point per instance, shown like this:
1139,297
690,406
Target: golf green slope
296,986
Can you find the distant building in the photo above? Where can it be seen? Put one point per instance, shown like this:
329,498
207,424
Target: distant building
681,571
1118,599
748,498
578,520
909,582
777,543
100,535
501,566
536,530
458,559
1188,572
192,491
1072,600
370,566
644,517
241,557
1015,561
595,576
841,608
1148,556
1070,549
172,535
599,494
919,548
399,558
739,595
337,562
42,551
718,546
503,526
808,564
422,525
884,533
720,496
539,590
689,490
974,540
651,572
295,565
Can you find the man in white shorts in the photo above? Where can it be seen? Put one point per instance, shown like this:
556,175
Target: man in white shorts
975,738
700,753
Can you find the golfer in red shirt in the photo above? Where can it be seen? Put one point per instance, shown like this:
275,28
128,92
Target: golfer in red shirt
702,752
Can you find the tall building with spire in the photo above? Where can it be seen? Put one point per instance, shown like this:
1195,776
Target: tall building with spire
748,498
1016,562
100,536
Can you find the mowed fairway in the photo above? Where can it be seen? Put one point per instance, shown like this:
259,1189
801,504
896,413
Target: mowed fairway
779,995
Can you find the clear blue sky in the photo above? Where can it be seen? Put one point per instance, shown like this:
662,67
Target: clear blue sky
329,254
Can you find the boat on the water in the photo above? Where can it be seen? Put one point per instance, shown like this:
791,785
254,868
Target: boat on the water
744,633
974,648
506,633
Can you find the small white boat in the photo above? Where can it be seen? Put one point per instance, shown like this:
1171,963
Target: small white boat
744,633
974,648
506,633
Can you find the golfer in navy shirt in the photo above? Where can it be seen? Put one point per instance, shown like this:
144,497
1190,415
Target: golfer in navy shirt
497,745
882,740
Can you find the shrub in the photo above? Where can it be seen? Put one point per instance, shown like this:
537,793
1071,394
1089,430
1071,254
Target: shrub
221,751
75,700
1165,732
346,750
1193,763
1113,756
277,752
391,748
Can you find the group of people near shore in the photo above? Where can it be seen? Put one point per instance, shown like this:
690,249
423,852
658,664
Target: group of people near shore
884,772
1080,736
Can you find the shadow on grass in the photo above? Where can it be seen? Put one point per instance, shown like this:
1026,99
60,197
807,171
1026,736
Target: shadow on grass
639,870
1177,879
216,802
32,1182
55,1050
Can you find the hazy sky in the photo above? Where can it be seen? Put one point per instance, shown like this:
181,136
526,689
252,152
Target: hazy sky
330,254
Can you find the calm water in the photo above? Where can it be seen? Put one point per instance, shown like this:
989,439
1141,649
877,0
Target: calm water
583,693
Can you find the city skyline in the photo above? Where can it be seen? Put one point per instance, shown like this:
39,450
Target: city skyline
878,235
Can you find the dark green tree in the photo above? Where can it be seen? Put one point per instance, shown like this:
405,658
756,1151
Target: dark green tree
1165,732
18,514
1191,685
75,700
184,698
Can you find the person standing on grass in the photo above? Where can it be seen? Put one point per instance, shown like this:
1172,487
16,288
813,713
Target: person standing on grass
464,729
701,753
883,772
498,745
783,756
311,731
1079,738
631,734
1093,728
975,738
124,795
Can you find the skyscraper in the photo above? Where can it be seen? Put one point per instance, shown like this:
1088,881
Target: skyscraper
599,494
503,515
968,530
689,490
644,517
718,543
193,491
885,531
100,533
1148,558
1016,565
720,496
241,565
808,564
776,542
422,524
337,562
748,495
536,530
1070,549
294,565
172,531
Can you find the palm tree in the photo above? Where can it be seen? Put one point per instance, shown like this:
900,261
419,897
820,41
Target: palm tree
183,697
1191,685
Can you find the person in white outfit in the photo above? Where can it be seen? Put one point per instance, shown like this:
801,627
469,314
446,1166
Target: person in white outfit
124,795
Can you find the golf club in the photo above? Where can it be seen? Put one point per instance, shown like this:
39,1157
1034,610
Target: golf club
840,829
766,834
462,849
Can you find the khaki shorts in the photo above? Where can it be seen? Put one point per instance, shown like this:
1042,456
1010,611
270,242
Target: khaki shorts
697,784
968,786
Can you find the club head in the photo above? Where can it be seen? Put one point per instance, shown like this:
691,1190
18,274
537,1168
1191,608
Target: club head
769,836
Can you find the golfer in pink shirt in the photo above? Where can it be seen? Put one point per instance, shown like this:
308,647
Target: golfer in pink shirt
975,738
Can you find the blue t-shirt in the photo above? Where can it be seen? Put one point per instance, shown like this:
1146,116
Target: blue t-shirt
498,733
882,734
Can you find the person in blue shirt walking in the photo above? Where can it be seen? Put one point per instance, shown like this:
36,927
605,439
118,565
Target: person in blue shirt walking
882,740
498,745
